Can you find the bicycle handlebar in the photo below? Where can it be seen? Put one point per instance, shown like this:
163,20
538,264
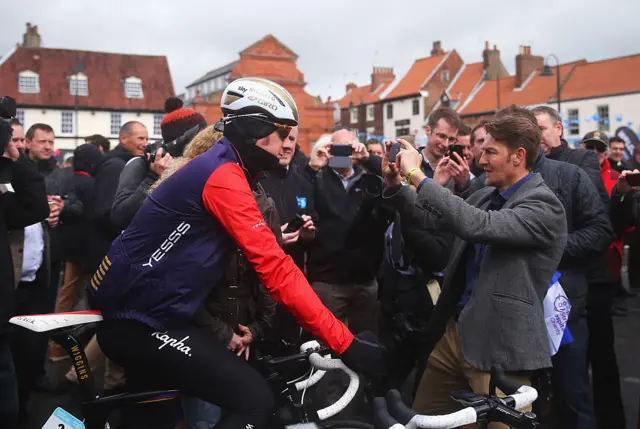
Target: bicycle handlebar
524,396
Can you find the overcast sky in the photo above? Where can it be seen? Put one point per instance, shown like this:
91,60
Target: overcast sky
336,41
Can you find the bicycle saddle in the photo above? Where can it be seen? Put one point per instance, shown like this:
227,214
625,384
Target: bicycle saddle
56,321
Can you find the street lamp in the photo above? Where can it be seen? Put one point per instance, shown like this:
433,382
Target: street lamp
546,71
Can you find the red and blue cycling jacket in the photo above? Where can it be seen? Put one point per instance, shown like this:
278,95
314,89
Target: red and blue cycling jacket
176,249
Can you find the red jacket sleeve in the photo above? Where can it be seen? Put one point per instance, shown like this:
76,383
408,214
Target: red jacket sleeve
228,197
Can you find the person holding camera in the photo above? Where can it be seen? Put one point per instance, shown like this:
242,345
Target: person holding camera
144,170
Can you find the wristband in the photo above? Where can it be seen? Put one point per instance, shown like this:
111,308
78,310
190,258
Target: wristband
409,173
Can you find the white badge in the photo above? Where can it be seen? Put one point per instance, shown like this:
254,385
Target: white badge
60,419
556,313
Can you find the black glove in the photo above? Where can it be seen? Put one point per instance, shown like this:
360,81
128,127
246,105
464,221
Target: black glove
367,355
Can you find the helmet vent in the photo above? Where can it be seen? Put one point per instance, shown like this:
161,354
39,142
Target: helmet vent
277,98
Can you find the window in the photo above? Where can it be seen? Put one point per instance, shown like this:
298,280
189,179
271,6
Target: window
157,120
133,87
354,115
574,122
116,123
20,116
403,132
370,112
79,85
28,82
603,118
416,107
389,111
444,75
66,125
371,131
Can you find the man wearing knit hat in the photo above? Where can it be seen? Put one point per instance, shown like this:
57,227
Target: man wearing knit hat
139,174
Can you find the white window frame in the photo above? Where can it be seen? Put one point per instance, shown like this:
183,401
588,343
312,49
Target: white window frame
414,103
389,111
157,119
603,123
445,75
80,84
113,128
370,113
68,119
20,116
574,122
133,87
28,82
353,115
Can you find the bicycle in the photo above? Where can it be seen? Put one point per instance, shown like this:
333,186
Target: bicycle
291,411
96,410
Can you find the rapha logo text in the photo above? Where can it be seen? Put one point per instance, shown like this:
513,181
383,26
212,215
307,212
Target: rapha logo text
168,244
172,342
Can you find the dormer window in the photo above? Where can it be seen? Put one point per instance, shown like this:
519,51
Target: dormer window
133,87
28,82
79,85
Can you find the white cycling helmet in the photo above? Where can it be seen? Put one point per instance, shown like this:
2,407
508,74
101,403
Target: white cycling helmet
261,99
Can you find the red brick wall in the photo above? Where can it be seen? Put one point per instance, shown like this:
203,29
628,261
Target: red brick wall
269,59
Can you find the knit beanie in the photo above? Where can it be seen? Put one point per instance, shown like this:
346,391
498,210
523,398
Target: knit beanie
179,119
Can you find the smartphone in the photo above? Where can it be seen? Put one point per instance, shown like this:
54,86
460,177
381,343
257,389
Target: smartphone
341,150
633,179
340,155
456,148
294,224
394,149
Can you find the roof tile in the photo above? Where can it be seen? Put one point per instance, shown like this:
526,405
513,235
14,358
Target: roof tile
105,73
415,78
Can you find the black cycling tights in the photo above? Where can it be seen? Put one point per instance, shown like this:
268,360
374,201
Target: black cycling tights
193,361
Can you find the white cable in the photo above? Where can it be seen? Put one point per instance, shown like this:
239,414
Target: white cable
305,386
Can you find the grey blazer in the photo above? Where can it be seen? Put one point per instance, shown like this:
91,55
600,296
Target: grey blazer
503,323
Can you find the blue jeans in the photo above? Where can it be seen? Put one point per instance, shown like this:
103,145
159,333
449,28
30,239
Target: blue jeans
570,379
200,414
8,385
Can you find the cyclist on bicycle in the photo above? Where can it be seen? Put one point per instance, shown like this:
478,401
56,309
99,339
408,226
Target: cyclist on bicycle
161,268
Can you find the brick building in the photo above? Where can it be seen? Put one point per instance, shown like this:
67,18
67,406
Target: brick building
360,109
271,59
408,102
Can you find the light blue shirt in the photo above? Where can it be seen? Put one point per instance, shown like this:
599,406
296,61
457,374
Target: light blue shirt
33,252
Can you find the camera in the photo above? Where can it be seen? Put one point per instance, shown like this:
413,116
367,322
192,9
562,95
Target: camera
175,147
372,185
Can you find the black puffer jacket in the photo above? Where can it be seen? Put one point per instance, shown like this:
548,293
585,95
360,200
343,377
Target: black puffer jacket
588,161
240,298
588,224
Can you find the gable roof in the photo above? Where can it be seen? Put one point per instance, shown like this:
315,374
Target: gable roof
417,76
363,94
464,82
215,72
536,90
267,46
105,73
601,78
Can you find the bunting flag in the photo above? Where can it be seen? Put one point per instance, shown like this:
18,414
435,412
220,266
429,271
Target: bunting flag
619,118
556,314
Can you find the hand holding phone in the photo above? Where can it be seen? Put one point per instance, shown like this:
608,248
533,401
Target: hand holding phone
294,224
633,179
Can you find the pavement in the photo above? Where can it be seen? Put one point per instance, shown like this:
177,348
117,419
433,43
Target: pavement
627,349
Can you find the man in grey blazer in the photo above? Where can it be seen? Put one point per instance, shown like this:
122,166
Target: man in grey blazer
509,240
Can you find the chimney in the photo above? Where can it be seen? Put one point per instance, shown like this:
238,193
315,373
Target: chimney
381,75
31,38
526,64
351,86
492,62
437,48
